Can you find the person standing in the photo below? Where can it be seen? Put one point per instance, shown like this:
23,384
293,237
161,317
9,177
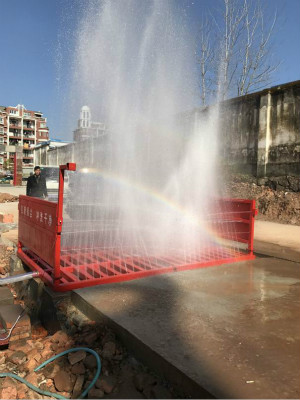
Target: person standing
36,185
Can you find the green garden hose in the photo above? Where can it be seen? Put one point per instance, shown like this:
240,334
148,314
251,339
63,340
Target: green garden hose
58,396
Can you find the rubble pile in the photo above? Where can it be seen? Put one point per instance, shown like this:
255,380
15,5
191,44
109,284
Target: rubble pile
5,253
121,376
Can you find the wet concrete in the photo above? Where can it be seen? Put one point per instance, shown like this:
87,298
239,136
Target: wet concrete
232,330
277,240
274,250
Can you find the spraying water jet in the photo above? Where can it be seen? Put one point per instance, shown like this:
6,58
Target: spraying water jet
145,198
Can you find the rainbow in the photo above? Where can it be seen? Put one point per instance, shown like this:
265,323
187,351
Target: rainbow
159,197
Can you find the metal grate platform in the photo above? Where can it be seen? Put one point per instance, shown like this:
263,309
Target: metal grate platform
80,268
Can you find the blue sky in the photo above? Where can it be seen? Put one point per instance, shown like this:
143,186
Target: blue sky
37,42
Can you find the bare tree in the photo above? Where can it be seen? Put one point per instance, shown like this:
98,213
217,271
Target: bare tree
240,44
256,57
205,57
233,25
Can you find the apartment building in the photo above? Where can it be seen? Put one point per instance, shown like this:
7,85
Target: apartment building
21,127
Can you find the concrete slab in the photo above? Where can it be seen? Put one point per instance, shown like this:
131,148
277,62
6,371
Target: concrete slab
11,313
232,330
277,240
6,296
275,250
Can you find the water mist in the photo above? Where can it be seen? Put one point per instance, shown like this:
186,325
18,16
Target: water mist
150,179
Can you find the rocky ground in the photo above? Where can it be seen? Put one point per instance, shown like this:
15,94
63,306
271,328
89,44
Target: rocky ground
275,205
122,376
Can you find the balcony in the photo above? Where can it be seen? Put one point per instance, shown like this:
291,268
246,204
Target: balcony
29,137
27,115
17,131
28,128
15,126
13,120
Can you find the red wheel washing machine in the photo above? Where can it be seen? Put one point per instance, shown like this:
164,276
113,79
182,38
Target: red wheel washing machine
40,247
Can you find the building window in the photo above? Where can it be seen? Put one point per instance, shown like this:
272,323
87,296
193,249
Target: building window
13,111
1,140
1,120
1,130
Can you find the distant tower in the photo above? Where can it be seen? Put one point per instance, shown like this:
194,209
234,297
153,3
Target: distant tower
88,129
85,117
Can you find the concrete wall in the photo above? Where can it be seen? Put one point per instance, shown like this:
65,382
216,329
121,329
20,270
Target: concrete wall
260,132
284,146
83,153
239,126
259,135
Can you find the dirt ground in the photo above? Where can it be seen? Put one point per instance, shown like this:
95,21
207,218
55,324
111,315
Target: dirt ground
122,376
273,205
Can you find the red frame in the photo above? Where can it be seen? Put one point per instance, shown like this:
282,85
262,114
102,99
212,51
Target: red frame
237,215
35,233
15,169
39,245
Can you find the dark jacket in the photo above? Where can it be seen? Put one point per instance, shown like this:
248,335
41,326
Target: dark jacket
36,186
